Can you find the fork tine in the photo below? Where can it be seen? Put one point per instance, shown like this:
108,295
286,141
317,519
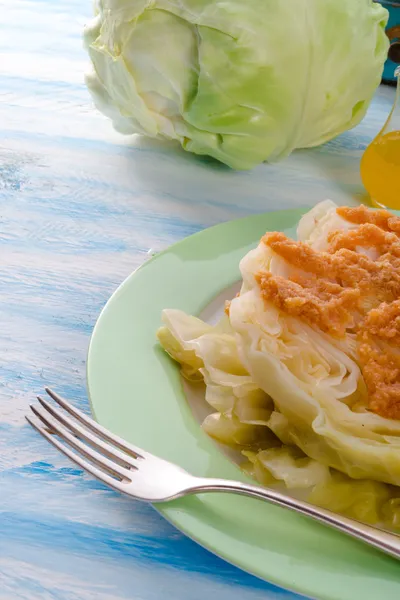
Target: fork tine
76,458
92,455
96,428
112,452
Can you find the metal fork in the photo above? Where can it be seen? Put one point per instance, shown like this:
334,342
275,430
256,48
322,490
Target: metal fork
146,477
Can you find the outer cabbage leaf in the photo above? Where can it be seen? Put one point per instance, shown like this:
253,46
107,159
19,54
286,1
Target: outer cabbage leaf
219,77
289,465
229,430
364,500
209,353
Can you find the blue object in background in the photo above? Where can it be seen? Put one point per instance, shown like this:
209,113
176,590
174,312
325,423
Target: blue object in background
393,32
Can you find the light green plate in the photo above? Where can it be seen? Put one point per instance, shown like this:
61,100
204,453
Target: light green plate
135,391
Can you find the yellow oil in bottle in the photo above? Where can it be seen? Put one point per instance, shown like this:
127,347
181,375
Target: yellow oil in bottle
380,170
380,164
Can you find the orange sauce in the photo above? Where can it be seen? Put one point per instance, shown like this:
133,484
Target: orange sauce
344,291
380,170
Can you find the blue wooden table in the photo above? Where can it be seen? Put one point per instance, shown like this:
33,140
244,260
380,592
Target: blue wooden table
80,208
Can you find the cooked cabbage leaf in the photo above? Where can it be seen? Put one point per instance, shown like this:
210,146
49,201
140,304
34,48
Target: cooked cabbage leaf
209,353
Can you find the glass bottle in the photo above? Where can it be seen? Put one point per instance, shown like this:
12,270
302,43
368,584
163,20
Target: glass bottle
380,164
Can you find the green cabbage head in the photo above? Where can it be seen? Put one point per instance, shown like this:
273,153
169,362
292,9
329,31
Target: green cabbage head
244,81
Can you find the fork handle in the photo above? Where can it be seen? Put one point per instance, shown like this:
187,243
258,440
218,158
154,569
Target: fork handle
383,540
